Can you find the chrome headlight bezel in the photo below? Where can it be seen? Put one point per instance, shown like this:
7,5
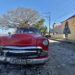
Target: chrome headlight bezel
45,42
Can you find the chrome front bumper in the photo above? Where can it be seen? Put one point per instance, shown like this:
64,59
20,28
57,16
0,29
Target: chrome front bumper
23,50
25,61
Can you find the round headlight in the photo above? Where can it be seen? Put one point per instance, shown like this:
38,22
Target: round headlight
45,42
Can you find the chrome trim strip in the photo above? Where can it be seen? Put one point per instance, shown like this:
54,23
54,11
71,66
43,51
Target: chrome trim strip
19,51
28,61
15,47
37,61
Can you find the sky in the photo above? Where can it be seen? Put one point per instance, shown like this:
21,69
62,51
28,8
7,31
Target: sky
59,9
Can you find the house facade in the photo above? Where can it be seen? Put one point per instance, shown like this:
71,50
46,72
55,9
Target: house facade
71,25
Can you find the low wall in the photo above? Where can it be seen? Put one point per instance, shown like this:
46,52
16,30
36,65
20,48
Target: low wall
71,36
59,36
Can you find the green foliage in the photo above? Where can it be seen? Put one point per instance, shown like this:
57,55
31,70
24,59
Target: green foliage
41,26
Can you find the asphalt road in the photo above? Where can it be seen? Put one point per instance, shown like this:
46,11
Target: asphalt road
61,62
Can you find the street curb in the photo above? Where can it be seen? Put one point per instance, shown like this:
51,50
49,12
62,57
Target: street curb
64,41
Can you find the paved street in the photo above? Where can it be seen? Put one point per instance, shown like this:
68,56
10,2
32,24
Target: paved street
61,62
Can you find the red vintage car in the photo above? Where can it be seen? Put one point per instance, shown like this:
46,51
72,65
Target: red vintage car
26,46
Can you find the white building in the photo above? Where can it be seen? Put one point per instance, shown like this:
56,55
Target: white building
4,31
57,28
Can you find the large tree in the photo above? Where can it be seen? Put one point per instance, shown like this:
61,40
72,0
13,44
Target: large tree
19,16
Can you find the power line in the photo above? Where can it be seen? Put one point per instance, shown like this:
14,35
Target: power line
48,16
64,15
65,7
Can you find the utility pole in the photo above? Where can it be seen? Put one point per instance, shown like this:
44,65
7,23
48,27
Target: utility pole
49,19
49,23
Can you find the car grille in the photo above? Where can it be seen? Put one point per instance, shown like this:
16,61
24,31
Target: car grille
22,52
22,55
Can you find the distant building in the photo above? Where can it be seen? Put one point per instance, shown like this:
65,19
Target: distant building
5,31
57,28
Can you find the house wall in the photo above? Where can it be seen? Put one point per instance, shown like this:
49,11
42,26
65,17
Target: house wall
71,23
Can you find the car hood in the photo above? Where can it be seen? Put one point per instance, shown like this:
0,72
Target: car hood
19,40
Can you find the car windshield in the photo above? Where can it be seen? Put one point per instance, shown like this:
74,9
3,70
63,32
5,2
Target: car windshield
28,30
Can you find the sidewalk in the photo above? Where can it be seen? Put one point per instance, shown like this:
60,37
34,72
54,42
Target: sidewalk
64,40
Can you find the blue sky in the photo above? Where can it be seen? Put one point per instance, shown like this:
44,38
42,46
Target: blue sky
60,9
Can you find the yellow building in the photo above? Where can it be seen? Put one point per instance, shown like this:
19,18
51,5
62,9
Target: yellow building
71,24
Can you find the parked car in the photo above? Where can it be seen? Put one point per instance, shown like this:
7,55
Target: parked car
26,46
47,36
